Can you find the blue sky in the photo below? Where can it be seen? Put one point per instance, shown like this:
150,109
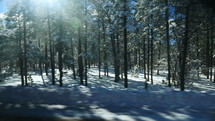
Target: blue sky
3,6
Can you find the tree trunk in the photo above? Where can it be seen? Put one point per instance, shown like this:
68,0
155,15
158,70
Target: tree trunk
60,64
116,70
46,58
21,57
105,51
25,49
99,44
212,37
73,64
125,45
41,61
185,46
211,56
159,57
168,43
80,58
85,59
148,53
121,70
118,57
152,54
208,53
197,51
60,51
144,57
139,55
51,50
85,46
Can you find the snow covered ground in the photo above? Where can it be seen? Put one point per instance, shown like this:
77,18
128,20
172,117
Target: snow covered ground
104,99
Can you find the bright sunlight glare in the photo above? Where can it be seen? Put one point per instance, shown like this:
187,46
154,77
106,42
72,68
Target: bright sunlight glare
50,1
46,2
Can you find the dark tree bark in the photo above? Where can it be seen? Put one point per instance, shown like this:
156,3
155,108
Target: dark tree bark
144,57
116,69
208,53
25,49
211,51
159,57
121,70
46,58
21,56
85,47
148,54
113,38
139,55
85,60
118,57
105,50
197,51
80,58
60,51
99,44
125,46
60,64
152,54
73,64
40,63
212,37
184,51
168,43
51,50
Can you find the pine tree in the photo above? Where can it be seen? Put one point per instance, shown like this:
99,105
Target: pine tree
125,45
168,42
184,56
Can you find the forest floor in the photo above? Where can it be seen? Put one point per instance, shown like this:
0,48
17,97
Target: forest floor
104,99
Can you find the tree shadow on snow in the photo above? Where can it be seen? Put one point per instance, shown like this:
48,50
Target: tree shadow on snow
82,103
42,104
